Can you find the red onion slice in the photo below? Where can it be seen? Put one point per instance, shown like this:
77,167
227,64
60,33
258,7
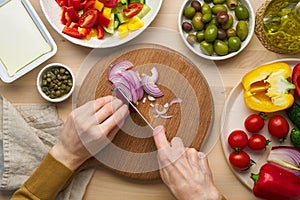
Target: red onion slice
119,67
150,87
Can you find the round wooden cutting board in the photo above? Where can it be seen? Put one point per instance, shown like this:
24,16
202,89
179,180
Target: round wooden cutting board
132,152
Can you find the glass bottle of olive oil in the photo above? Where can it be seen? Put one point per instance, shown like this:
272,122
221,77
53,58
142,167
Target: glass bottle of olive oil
282,24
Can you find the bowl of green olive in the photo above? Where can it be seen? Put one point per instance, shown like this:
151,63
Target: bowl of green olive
216,29
55,82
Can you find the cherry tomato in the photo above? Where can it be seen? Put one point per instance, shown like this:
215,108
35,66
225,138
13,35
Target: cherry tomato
258,142
254,123
133,9
278,127
88,19
240,160
238,140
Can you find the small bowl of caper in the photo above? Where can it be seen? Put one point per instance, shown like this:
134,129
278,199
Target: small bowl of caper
55,82
216,29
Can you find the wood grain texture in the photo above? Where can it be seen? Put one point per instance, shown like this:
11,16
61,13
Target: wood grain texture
133,152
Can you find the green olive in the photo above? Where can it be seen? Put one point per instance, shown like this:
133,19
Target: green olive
207,17
197,22
200,36
206,48
219,1
234,43
231,4
189,12
241,12
217,8
197,5
206,9
221,48
242,30
211,33
230,32
191,38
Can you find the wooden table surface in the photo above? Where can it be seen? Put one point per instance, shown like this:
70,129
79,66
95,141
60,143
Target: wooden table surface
107,185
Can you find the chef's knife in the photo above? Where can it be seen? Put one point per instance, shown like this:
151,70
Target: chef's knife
129,103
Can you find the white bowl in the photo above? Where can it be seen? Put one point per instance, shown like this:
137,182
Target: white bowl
40,78
196,46
52,12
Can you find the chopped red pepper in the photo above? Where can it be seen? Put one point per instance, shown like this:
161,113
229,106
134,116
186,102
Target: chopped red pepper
76,32
100,30
276,183
133,9
88,19
103,20
62,3
109,3
63,15
296,78
75,3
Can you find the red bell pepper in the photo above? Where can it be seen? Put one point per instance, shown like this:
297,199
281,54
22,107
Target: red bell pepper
133,9
90,4
276,183
102,20
62,3
109,3
100,30
76,32
88,19
296,78
72,13
75,3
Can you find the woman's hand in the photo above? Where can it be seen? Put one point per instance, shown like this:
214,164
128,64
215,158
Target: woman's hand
88,129
184,170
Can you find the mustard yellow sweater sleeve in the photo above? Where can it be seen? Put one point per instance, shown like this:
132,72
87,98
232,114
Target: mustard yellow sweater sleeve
46,182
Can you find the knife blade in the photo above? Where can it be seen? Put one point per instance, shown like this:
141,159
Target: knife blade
129,103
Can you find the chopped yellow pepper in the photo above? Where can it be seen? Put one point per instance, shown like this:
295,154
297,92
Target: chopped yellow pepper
107,12
123,31
267,88
99,5
135,23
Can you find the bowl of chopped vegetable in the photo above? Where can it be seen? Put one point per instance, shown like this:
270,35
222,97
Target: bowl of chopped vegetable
216,29
55,82
100,23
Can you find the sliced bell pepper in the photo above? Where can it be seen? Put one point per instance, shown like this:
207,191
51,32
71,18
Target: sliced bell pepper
62,3
276,183
109,3
267,88
296,78
72,14
88,19
89,5
123,31
100,30
102,20
133,9
135,23
76,32
75,3
99,5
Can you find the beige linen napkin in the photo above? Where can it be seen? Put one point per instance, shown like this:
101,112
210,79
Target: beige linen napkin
27,132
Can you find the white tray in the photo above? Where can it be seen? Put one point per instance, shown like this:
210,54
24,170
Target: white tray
38,58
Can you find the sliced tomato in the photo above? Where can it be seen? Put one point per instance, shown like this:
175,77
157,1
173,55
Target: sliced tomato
88,19
103,20
89,5
109,3
72,13
133,9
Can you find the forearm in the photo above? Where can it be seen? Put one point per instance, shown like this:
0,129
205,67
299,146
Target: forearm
46,181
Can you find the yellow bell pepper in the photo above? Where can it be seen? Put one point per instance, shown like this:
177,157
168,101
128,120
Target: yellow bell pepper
135,23
267,88
123,31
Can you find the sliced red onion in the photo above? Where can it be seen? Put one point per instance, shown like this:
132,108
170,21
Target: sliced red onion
175,100
287,157
150,87
119,67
